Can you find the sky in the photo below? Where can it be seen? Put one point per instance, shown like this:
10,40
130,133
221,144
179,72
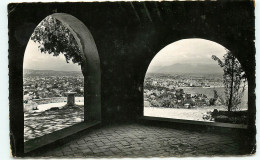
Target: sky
34,59
191,51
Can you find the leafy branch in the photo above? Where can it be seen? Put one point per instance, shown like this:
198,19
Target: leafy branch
55,38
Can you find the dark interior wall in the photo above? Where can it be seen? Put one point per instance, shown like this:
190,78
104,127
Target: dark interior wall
127,36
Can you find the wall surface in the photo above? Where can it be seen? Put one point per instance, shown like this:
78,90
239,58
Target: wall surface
128,36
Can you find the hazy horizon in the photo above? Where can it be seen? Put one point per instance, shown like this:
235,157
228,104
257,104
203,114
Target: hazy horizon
34,59
50,70
188,51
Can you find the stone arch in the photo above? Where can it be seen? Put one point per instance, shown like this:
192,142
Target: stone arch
169,42
90,68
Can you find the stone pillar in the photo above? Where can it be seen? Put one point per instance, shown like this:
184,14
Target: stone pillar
70,98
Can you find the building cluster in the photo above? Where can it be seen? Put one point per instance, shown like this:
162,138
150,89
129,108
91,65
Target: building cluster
39,87
163,91
171,81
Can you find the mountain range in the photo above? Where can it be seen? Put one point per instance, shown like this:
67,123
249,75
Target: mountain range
186,68
33,72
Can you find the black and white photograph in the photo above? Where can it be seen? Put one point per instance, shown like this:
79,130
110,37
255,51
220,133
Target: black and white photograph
132,79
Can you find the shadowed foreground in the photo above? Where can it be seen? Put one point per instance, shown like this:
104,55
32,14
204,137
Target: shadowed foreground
138,140
37,124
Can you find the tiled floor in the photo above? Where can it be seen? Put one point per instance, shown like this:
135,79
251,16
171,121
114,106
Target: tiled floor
138,140
37,124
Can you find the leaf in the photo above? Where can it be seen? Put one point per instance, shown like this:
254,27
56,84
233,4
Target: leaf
234,80
55,38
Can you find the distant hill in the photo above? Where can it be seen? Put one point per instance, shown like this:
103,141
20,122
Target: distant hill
186,68
33,72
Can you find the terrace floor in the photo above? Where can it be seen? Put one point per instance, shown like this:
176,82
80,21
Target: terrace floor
38,123
139,140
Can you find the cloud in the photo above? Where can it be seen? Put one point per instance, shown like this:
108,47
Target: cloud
188,51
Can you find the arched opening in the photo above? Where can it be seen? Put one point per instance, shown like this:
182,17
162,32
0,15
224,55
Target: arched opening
68,95
186,81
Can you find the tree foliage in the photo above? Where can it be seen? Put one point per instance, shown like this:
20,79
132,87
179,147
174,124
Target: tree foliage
55,38
234,79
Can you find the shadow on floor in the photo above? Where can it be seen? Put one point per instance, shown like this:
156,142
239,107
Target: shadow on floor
148,139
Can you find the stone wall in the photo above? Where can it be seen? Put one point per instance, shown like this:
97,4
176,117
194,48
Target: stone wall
128,35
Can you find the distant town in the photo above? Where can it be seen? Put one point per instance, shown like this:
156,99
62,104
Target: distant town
182,90
160,89
39,84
